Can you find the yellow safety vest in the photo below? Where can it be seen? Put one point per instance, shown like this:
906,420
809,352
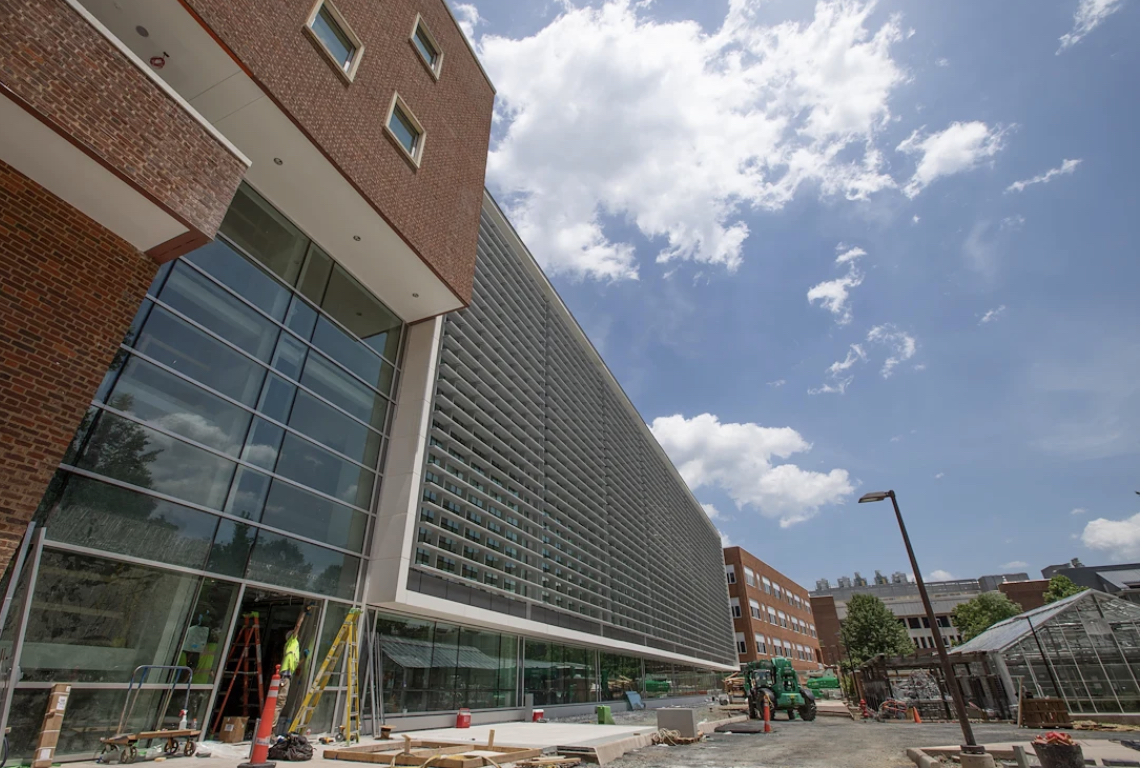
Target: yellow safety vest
291,656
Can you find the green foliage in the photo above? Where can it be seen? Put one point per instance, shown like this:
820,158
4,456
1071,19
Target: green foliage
982,612
1060,587
871,629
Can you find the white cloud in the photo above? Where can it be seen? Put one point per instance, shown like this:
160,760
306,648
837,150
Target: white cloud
904,346
724,540
711,510
1118,539
917,218
992,315
1088,15
939,575
895,439
847,254
776,383
1015,565
834,295
468,17
1014,222
1078,511
942,62
961,147
611,114
740,460
939,476
838,380
1067,167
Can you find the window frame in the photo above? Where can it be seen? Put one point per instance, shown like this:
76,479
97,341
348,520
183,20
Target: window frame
434,67
398,103
346,71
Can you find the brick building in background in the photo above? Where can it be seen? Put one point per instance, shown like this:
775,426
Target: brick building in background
771,613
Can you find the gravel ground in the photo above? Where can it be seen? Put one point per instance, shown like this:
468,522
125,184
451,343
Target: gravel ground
828,742
648,717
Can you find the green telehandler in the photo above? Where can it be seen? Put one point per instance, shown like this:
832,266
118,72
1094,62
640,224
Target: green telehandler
775,683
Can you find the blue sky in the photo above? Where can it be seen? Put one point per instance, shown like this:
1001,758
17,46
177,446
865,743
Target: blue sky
793,232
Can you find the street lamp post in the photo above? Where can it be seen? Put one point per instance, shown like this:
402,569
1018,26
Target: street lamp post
970,745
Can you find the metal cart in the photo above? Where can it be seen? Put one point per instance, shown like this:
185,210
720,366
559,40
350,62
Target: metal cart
126,743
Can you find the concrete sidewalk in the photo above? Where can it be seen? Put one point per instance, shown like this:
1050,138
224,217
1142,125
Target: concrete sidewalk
1101,752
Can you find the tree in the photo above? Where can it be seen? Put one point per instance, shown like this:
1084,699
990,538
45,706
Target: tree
1060,587
871,629
982,612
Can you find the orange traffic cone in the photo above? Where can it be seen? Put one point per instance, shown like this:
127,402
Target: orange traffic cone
766,716
265,727
917,716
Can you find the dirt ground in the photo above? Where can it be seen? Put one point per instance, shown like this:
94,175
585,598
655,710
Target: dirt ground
828,742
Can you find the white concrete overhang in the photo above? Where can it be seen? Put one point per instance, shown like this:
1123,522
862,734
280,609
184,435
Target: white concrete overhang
37,151
286,167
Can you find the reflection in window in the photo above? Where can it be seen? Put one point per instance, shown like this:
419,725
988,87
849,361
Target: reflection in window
132,453
317,468
105,517
279,560
259,230
200,300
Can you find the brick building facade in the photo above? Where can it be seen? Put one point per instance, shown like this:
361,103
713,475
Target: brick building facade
771,613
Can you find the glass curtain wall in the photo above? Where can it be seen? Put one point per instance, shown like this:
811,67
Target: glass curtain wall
429,666
242,424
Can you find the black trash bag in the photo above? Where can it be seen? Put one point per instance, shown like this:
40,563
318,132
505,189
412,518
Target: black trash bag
294,747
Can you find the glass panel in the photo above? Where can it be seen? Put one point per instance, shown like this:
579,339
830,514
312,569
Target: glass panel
138,455
348,302
301,318
94,619
259,230
331,35
403,129
186,349
334,429
231,548
293,509
443,672
105,517
407,645
263,443
424,46
317,468
277,398
315,275
338,388
247,494
287,562
204,643
205,303
353,355
289,356
618,674
154,395
242,276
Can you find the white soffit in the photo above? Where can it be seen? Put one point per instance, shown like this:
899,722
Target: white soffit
41,154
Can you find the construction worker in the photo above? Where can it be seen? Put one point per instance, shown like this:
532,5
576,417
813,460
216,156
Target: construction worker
291,658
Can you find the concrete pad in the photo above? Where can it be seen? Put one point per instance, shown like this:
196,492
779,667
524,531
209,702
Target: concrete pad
1098,751
530,735
752,727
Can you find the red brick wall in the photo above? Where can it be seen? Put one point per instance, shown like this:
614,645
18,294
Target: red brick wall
747,625
55,63
436,207
68,291
829,629
1028,594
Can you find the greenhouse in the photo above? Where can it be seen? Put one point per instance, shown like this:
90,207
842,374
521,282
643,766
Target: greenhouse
1084,649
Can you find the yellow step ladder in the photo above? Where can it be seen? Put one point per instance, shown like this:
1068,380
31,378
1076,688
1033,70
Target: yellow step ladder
346,641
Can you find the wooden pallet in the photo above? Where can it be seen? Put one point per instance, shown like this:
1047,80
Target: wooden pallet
427,753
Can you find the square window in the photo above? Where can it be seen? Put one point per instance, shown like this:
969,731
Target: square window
426,46
340,44
405,130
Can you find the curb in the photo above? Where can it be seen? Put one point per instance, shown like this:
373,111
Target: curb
920,758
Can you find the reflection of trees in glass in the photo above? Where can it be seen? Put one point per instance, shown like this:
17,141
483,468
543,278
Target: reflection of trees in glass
280,561
230,558
119,448
327,581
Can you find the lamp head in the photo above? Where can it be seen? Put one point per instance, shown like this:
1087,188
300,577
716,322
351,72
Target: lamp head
875,496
